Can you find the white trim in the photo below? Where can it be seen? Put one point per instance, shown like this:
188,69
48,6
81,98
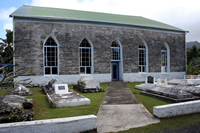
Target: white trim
102,78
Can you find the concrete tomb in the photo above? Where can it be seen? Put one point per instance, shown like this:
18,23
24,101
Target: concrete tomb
59,95
20,89
15,108
88,85
173,90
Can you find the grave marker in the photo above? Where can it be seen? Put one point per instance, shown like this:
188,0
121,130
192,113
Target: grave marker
150,79
61,89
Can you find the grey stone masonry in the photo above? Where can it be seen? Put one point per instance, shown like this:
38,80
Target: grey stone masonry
30,36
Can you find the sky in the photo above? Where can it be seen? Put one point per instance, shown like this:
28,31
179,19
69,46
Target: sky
184,14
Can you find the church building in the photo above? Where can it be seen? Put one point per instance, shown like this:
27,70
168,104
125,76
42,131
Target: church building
67,44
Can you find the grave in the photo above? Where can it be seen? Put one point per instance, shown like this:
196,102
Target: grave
14,108
21,90
172,91
59,95
88,85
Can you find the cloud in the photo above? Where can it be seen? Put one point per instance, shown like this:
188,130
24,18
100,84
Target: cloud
4,13
180,13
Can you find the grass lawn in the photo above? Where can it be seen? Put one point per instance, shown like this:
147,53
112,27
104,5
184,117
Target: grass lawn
43,109
165,124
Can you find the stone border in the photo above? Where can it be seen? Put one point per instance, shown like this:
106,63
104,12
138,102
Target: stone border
177,109
59,125
168,99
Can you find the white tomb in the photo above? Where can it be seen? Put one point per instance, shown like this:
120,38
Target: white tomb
88,83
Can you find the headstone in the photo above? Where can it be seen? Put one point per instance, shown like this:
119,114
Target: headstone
150,79
146,81
61,89
158,82
162,69
165,81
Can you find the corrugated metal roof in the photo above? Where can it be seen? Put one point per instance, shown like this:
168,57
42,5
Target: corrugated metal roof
75,15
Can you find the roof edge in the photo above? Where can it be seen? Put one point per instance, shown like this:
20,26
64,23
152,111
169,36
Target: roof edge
97,22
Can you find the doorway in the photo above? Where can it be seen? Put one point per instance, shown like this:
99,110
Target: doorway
115,71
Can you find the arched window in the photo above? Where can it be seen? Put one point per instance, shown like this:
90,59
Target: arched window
85,57
164,59
115,51
50,57
142,56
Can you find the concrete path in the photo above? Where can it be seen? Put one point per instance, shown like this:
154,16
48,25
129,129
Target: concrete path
121,110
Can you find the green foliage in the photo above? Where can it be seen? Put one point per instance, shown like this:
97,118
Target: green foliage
31,71
193,70
6,50
193,60
192,54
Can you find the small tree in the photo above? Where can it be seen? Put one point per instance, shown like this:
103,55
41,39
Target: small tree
193,60
6,45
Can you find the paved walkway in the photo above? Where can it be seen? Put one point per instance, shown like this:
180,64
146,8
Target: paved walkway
121,110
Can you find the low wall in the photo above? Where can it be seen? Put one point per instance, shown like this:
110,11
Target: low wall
65,79
60,125
176,109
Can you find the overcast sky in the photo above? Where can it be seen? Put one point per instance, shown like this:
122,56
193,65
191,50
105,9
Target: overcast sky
184,14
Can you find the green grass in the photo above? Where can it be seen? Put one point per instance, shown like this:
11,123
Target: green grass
165,124
148,102
43,109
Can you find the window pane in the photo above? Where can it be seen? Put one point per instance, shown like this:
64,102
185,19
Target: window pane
54,70
139,69
88,70
47,70
82,70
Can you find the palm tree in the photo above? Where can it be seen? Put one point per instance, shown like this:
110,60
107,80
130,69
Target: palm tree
193,60
6,48
193,55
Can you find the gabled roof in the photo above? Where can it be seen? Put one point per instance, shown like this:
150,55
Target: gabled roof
86,16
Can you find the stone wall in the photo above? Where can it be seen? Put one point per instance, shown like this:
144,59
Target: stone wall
30,37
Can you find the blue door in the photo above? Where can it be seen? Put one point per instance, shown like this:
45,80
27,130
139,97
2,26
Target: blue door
115,71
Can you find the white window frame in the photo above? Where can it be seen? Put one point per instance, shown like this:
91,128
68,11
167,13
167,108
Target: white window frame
56,58
166,67
146,61
116,53
90,57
